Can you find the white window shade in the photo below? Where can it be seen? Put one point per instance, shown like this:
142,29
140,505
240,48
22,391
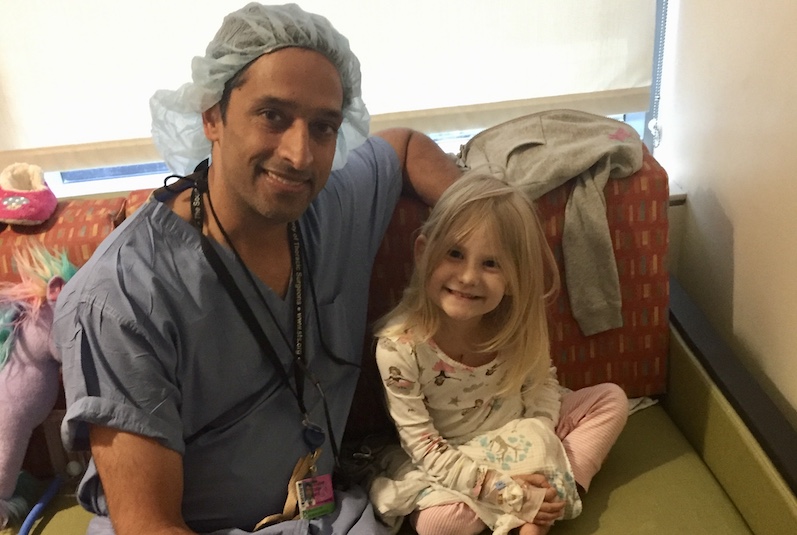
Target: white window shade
76,77
509,57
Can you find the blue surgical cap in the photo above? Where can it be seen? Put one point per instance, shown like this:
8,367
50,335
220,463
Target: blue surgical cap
244,36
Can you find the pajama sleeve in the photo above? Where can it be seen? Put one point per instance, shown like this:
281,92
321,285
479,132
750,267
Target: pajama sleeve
543,400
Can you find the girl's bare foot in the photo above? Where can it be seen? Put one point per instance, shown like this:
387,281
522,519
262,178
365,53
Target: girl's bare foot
533,529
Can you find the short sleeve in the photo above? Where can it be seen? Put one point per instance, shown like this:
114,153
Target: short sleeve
114,375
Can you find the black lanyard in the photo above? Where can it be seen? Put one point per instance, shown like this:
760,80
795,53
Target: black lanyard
298,311
313,435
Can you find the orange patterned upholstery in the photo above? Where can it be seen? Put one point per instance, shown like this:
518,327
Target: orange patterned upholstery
77,227
135,199
633,356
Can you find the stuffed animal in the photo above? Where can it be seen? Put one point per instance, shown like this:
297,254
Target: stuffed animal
29,370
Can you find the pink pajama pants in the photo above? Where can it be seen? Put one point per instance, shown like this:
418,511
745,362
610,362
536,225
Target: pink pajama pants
590,420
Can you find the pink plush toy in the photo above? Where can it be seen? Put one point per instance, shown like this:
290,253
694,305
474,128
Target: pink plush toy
29,371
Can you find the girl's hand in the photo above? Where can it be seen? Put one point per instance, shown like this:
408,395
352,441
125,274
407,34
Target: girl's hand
511,496
552,508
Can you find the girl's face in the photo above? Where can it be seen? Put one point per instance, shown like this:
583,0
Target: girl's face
469,282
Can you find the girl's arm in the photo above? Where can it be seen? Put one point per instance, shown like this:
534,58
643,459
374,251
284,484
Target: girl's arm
544,400
425,445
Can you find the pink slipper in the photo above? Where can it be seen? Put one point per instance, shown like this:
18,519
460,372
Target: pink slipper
25,199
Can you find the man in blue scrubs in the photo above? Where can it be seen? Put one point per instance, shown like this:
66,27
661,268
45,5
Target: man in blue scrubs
213,340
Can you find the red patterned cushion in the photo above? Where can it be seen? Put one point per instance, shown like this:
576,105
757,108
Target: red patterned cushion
135,199
77,227
394,261
633,356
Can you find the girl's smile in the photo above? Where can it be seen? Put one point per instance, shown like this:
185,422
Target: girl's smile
462,294
469,282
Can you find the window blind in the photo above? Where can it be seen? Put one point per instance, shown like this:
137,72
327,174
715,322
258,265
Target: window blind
76,77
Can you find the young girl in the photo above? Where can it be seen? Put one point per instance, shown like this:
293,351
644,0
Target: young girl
488,437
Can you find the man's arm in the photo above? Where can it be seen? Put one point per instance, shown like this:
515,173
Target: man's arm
428,171
142,480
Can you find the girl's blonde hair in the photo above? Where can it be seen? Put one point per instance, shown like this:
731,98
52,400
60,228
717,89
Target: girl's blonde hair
518,325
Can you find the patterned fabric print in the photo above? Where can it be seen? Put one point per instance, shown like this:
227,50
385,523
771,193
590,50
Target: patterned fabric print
497,450
77,227
461,399
526,446
135,199
633,356
453,428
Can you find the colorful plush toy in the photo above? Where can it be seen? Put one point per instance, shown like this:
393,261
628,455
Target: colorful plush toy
29,370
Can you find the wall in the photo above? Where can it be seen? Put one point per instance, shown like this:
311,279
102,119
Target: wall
729,130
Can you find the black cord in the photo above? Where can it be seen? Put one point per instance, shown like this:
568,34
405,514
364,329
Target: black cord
201,166
203,188
246,271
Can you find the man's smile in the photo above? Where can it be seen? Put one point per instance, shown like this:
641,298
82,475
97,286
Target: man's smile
287,180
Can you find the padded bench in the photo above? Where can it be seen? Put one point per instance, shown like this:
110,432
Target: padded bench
688,464
654,480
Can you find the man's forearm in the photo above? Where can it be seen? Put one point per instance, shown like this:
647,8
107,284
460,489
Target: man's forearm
427,170
142,481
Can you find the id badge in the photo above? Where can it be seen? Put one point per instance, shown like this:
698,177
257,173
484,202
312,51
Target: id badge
316,496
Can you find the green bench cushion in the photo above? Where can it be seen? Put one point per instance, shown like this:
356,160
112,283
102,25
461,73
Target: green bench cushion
653,482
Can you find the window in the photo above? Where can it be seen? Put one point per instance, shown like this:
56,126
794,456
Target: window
101,180
151,175
75,91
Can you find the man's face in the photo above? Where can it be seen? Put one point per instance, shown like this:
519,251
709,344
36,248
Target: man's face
273,151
